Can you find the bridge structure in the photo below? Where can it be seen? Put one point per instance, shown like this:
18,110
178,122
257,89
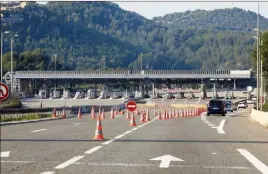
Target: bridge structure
140,75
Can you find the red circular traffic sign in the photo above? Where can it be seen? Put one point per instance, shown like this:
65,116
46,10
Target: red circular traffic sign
4,91
131,106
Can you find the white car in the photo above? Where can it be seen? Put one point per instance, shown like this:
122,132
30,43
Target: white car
249,102
241,105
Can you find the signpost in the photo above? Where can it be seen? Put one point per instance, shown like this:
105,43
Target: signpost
4,91
131,106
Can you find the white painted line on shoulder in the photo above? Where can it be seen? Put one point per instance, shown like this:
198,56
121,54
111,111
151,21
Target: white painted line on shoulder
93,149
254,161
212,125
220,128
134,129
17,161
39,130
119,136
214,153
69,162
227,167
127,132
109,141
49,172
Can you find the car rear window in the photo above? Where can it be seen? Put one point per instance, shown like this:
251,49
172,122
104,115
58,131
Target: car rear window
215,103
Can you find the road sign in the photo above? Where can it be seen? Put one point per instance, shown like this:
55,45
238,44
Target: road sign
131,106
4,91
5,154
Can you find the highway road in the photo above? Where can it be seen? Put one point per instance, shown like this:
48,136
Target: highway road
197,144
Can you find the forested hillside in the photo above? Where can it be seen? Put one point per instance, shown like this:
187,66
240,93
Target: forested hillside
82,33
221,19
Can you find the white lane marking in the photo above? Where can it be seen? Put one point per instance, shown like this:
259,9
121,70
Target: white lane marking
165,160
173,101
214,153
114,164
39,130
69,162
108,142
212,125
198,101
93,149
220,127
254,161
49,172
77,124
5,154
119,136
134,129
127,132
17,161
227,167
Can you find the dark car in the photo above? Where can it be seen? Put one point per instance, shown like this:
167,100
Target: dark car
216,107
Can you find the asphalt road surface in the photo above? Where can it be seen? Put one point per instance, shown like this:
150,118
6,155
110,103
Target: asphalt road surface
197,144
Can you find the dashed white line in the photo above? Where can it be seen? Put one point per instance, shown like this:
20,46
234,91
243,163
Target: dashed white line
119,136
127,132
49,172
214,153
220,127
39,130
254,161
108,142
93,149
69,162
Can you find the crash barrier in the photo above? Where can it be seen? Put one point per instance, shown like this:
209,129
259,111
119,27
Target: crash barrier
259,117
188,106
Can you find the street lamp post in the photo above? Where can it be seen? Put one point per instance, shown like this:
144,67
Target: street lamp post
55,55
11,66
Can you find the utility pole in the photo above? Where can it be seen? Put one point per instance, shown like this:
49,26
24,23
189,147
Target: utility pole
258,21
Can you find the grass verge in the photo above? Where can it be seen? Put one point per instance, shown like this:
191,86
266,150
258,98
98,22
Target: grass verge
21,117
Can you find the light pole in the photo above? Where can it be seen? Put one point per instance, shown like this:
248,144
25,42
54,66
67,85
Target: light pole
173,65
2,35
11,66
55,55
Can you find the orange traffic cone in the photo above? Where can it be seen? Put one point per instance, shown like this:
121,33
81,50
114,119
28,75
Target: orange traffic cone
159,115
116,111
112,113
79,113
147,116
102,114
54,113
98,132
128,115
142,120
93,113
132,121
63,114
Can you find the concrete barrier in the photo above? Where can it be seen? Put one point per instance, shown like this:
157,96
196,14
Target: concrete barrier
259,117
188,105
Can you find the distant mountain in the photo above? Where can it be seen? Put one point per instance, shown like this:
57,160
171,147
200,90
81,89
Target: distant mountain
234,19
81,33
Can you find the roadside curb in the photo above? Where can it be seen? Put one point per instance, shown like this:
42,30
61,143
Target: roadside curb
32,121
250,119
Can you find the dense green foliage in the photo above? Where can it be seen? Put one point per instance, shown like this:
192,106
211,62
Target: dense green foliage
221,19
82,33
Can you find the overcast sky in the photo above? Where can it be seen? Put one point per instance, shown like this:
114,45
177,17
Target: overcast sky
152,9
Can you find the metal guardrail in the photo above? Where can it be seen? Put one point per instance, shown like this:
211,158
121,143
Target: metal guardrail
134,74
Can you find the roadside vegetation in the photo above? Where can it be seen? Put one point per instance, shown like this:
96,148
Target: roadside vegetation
11,102
21,117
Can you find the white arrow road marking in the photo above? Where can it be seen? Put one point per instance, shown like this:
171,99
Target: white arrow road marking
165,160
5,154
254,161
220,128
